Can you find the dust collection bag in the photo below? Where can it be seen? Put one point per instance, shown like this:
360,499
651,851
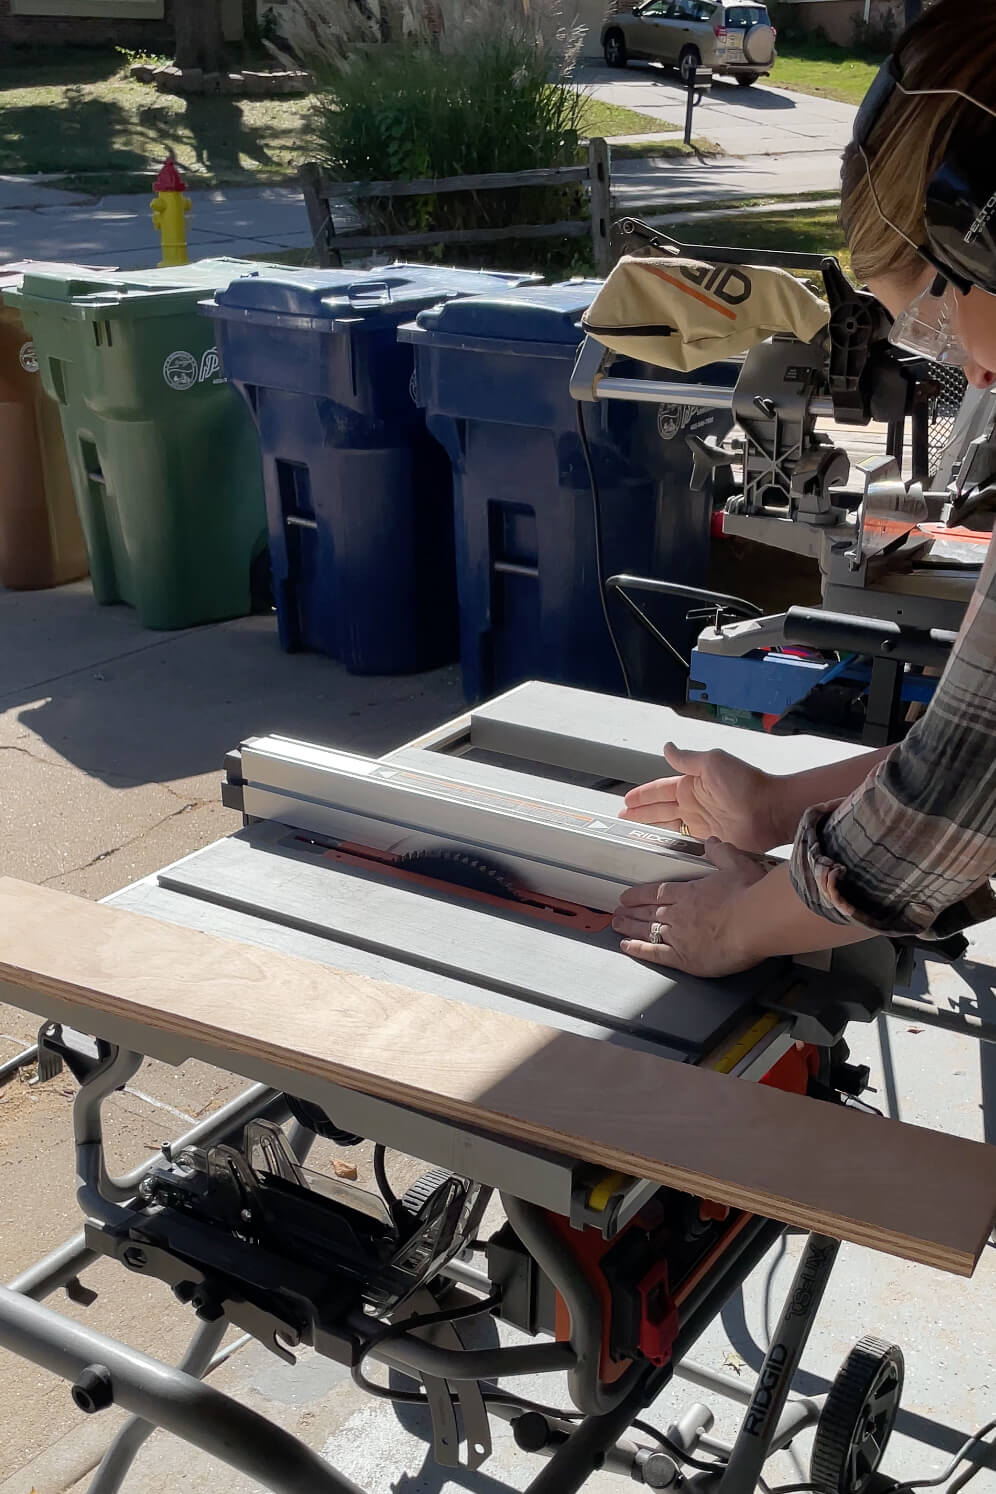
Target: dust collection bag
684,313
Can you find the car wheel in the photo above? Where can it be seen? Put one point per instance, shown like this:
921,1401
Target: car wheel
747,80
614,49
690,59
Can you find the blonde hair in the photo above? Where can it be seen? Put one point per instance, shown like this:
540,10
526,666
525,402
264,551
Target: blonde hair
952,46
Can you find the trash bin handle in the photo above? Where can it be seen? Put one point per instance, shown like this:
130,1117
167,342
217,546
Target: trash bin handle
368,289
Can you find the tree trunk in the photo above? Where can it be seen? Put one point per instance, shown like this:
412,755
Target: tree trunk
199,40
250,22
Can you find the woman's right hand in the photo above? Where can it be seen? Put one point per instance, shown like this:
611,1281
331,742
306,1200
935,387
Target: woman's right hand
712,794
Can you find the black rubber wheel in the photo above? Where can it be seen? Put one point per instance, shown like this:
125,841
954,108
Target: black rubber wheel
614,49
690,59
857,1419
747,80
419,1193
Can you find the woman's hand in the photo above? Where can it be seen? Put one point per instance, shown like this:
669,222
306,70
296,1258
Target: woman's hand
714,795
703,932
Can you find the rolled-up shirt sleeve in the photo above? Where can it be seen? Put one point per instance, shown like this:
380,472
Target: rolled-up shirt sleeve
911,851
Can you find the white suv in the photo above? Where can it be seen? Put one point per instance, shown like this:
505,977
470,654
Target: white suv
734,39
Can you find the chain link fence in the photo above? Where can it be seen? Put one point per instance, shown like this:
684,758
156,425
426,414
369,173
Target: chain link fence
943,410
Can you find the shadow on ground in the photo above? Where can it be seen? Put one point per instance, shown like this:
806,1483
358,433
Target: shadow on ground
758,98
120,702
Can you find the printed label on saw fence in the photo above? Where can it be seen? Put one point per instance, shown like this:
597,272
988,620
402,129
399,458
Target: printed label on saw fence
541,812
182,370
28,357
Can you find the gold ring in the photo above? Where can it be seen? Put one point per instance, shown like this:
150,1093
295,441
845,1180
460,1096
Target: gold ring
684,830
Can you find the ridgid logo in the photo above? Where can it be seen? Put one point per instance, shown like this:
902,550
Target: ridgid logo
726,282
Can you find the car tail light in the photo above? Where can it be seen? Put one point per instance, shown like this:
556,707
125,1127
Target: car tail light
774,33
720,31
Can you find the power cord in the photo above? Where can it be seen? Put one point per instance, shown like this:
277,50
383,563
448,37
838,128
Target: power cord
508,1398
410,1325
391,1201
795,1488
596,504
675,1451
488,1304
977,1439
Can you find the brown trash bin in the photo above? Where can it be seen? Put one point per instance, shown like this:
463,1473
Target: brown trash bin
41,542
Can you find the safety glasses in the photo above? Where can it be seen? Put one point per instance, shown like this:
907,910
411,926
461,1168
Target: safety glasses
927,327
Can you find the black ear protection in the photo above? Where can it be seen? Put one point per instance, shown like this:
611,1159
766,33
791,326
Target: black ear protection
960,205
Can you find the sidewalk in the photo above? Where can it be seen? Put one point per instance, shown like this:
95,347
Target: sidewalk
780,144
37,222
723,178
242,221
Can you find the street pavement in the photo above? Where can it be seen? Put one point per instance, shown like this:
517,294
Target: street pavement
779,144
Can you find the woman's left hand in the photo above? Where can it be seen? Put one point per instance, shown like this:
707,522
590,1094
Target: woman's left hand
700,931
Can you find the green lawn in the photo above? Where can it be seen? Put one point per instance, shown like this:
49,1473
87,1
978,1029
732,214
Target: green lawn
79,114
819,67
665,150
815,231
611,119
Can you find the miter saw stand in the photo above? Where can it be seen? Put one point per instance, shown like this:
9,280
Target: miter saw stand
891,569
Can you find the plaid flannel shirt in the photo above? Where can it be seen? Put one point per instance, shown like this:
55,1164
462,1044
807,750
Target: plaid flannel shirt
911,851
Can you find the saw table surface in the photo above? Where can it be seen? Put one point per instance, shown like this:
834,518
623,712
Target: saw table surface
501,955
617,740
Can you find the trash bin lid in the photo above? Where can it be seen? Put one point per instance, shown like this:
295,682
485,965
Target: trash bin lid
319,299
13,274
530,314
122,293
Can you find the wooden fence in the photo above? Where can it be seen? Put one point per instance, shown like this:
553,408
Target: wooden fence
321,191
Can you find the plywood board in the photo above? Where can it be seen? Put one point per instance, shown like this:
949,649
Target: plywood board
901,1189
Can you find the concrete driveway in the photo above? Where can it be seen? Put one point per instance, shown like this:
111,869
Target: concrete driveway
762,120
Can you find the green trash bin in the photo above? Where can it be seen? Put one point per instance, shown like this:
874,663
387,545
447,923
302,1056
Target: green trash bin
163,452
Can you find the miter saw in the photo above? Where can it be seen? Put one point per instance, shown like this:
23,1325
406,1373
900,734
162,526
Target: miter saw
889,553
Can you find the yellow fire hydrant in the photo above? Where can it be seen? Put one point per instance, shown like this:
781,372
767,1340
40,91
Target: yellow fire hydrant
169,212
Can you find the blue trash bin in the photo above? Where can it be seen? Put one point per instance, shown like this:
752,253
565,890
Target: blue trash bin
358,495
493,376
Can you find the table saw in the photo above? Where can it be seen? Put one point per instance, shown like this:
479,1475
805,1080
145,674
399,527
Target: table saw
479,863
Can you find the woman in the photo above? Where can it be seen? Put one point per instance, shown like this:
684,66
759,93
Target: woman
902,841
